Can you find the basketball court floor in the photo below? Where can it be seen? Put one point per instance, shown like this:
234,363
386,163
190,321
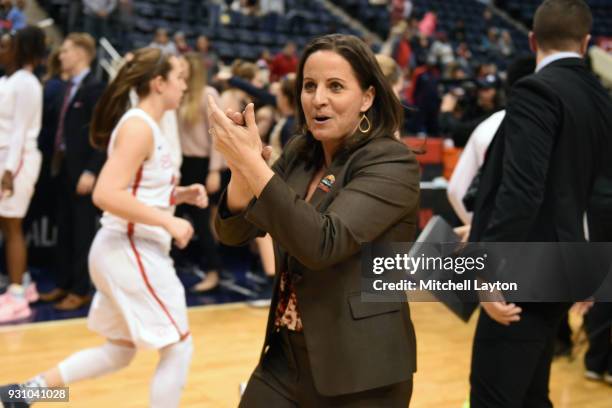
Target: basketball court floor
227,341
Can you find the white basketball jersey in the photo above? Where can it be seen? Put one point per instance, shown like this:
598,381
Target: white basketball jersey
153,184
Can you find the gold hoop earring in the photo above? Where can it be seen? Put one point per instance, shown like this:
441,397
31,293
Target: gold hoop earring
369,125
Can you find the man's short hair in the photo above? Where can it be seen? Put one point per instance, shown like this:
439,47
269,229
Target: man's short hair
84,41
561,24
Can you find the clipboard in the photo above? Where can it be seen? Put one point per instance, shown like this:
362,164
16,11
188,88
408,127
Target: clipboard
439,240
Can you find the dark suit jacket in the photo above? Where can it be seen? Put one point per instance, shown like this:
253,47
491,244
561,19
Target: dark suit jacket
539,172
53,93
80,155
540,168
352,345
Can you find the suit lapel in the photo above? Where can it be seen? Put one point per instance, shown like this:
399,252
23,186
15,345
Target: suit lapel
298,180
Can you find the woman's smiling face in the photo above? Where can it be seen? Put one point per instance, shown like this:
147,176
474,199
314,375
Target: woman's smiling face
332,97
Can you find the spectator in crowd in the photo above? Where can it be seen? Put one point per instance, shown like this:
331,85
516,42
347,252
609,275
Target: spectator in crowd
97,15
505,44
485,69
460,120
201,164
441,50
490,42
393,75
400,10
284,62
429,23
487,19
420,49
249,7
392,72
402,49
464,56
208,56
284,128
423,95
163,42
21,101
458,32
265,60
181,43
263,63
16,16
75,166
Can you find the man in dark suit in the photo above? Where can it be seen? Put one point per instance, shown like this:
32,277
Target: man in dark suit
535,187
75,166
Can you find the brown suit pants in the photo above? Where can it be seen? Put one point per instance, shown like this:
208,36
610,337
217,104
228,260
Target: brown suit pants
284,379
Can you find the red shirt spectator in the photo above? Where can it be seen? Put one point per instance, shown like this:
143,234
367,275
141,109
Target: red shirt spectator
284,62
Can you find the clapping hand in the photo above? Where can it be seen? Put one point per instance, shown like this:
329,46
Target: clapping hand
235,142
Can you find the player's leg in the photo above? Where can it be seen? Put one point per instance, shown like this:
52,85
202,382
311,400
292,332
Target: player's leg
171,374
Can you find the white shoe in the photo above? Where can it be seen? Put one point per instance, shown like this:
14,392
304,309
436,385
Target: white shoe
13,308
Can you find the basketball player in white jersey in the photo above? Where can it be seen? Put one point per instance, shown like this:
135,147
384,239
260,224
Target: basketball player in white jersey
140,302
21,102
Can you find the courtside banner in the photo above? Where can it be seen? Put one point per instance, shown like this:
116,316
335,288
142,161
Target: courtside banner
463,273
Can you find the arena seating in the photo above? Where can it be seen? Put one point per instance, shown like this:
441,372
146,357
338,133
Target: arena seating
523,10
234,34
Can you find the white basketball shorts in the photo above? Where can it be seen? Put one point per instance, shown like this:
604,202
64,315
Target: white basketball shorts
25,177
139,298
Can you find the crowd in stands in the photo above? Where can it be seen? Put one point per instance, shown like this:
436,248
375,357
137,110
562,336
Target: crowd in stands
12,16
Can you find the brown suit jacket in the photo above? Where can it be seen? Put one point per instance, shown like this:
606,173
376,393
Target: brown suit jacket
352,345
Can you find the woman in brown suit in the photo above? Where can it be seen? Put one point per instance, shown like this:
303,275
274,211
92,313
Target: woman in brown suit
341,182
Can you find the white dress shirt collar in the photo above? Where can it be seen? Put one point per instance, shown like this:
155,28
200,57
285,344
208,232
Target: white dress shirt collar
556,56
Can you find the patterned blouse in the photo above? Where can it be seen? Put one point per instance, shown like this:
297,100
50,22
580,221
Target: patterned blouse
287,313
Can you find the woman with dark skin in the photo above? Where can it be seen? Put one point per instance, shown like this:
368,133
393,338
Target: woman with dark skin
20,122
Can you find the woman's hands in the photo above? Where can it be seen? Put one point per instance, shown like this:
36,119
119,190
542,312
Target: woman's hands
238,144
194,194
243,151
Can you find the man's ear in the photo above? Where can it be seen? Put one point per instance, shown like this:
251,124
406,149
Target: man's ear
533,43
584,45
